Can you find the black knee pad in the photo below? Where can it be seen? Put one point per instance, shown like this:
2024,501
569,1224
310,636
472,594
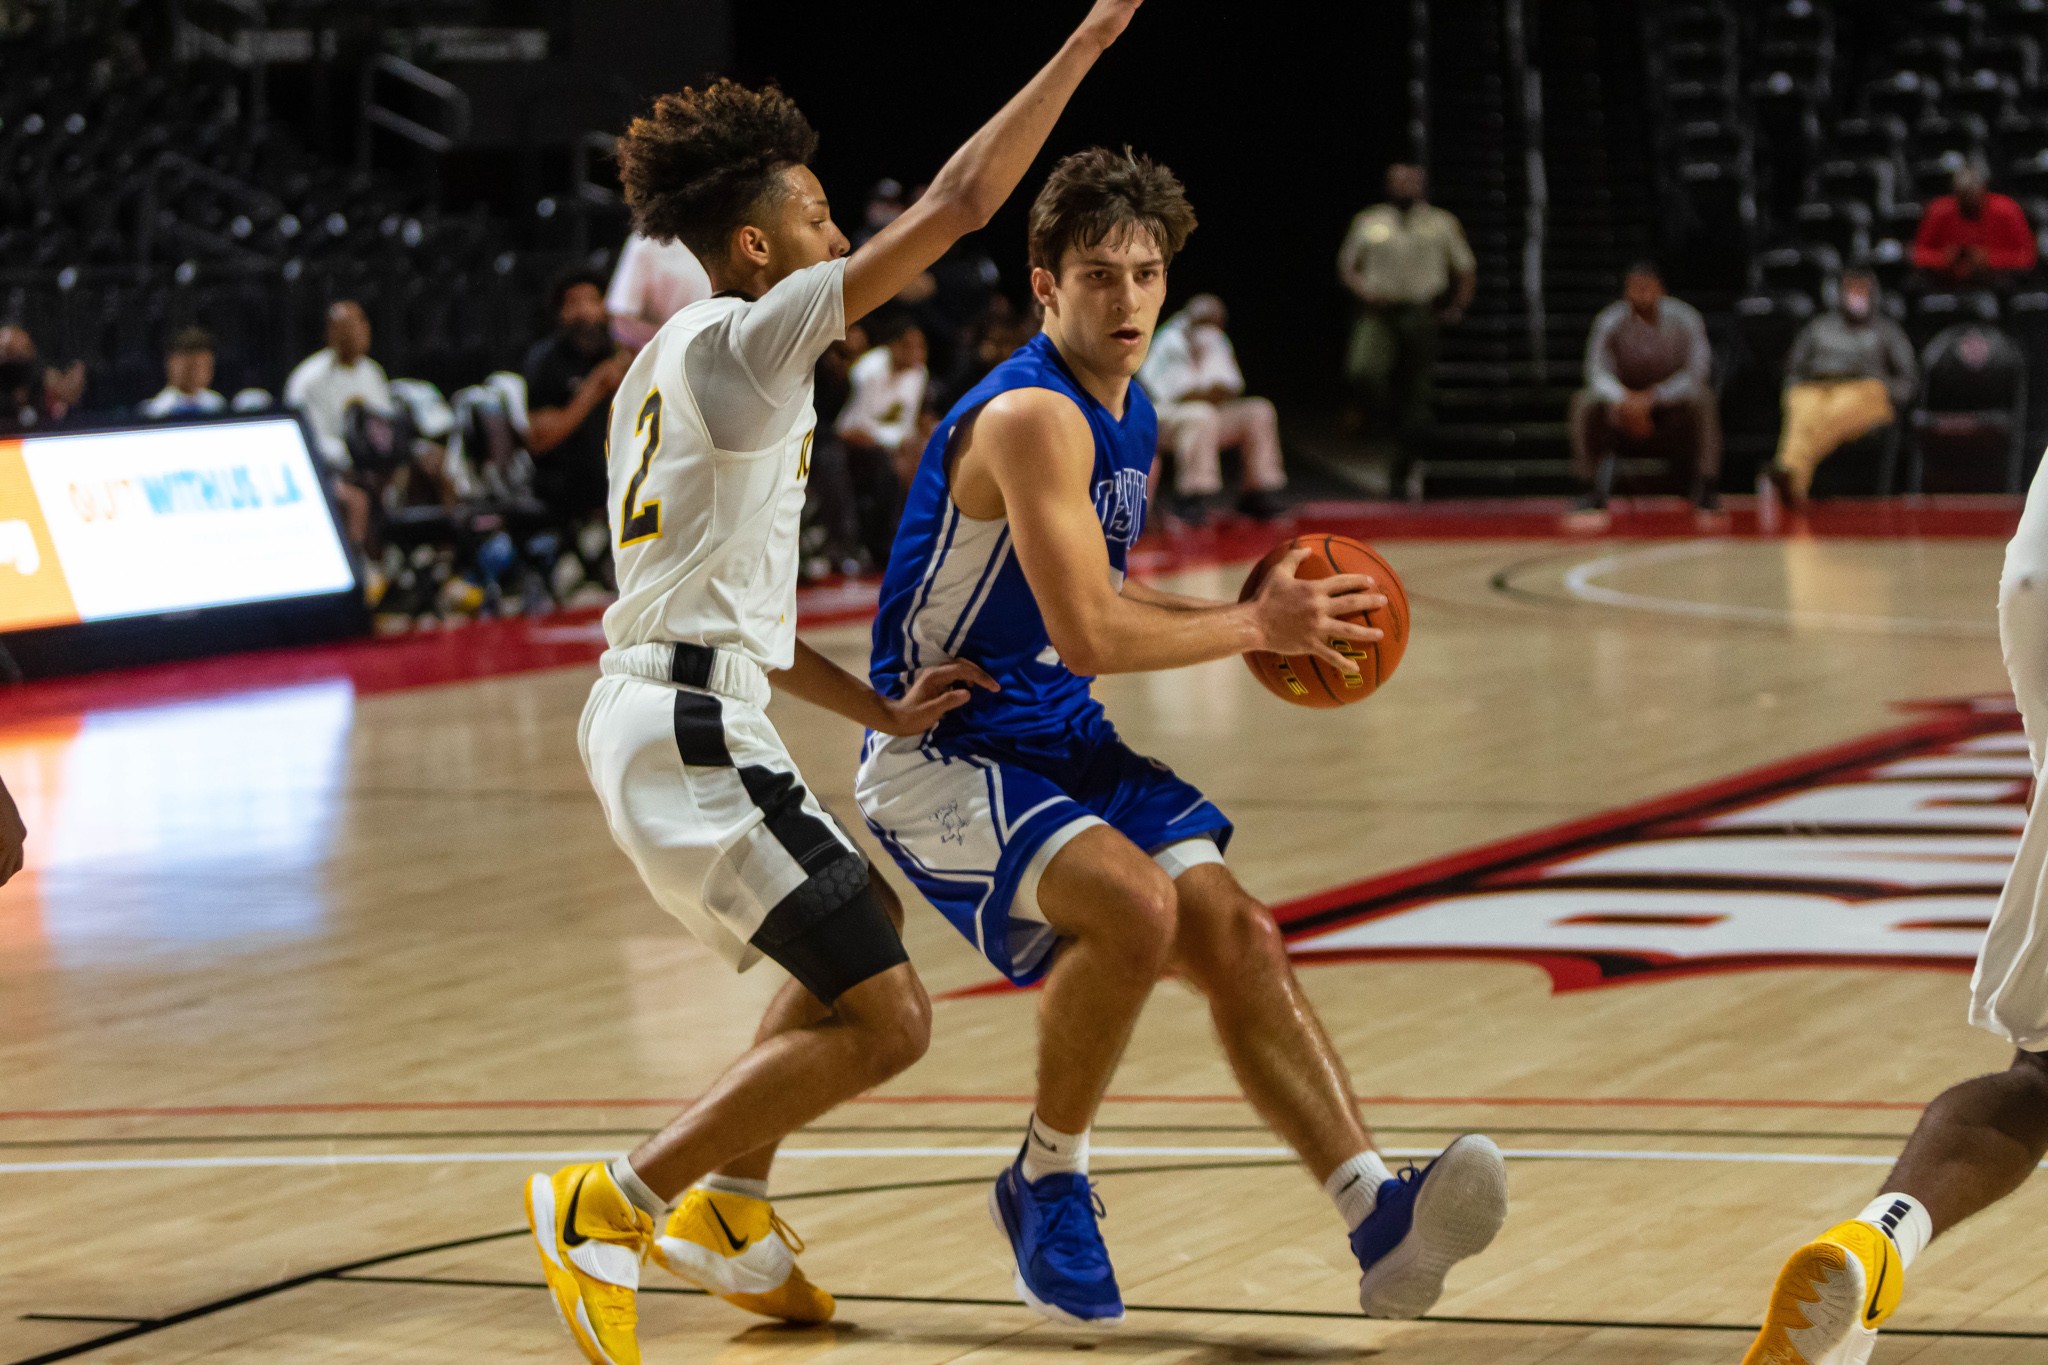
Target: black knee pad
830,953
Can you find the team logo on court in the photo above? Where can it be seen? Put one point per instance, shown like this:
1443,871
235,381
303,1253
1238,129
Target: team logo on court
1890,851
1120,506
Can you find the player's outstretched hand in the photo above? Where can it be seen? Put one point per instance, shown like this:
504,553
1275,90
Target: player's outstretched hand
1303,615
1107,20
932,694
12,834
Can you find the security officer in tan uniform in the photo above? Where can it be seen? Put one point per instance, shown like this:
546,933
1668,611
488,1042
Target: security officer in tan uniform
1412,271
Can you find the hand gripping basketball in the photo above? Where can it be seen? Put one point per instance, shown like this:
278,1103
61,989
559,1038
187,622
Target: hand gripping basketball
1336,620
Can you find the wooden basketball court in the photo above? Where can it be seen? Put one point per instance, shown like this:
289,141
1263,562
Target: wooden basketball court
306,977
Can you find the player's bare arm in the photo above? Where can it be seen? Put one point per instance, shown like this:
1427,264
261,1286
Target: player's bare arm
1029,457
932,693
976,180
12,835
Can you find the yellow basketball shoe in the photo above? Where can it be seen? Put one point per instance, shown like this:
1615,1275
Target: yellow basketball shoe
740,1250
1830,1299
591,1241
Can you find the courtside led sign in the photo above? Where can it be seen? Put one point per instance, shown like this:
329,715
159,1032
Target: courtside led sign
100,525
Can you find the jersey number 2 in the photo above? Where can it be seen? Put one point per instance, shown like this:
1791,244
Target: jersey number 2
642,523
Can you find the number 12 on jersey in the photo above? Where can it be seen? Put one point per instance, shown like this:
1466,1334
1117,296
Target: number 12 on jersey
642,523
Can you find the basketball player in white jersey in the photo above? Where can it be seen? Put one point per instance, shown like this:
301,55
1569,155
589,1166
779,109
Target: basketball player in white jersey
1978,1141
710,444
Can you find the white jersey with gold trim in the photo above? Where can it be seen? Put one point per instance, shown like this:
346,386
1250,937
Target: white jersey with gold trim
710,448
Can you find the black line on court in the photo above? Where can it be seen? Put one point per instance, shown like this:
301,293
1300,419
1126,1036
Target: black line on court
481,1134
78,1317
144,1326
139,1327
1503,582
1226,1311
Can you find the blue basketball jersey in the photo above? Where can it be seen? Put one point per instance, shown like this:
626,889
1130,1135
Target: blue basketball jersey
954,589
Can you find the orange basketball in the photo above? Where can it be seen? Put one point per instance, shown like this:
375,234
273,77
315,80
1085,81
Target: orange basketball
1306,680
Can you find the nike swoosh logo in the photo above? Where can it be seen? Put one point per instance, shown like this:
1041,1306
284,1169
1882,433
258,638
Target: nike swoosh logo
737,1245
1041,1141
1883,1269
571,1237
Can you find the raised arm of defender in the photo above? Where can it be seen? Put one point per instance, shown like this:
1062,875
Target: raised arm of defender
976,180
1029,456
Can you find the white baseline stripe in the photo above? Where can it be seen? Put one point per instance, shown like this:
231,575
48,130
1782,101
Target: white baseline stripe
1579,583
892,1153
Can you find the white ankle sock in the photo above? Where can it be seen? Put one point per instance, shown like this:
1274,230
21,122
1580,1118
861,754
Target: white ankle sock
1354,1187
727,1184
1048,1151
635,1189
1904,1219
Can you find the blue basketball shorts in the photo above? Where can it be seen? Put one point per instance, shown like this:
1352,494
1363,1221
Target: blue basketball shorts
974,820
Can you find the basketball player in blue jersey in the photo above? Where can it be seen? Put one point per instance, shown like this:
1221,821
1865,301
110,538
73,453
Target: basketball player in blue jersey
1061,854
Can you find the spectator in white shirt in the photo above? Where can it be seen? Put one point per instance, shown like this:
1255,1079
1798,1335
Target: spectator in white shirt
884,408
188,378
1191,373
323,388
327,382
653,282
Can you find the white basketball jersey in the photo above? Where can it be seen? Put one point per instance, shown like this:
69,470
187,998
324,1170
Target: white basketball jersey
704,538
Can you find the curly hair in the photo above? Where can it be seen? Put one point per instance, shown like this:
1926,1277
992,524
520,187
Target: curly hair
697,165
1098,194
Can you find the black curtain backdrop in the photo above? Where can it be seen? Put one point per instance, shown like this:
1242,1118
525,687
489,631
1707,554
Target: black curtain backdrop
1280,119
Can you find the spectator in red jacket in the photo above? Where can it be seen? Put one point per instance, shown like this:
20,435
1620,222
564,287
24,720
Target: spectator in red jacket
1973,236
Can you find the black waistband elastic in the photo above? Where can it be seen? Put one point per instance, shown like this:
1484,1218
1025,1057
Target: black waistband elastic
691,665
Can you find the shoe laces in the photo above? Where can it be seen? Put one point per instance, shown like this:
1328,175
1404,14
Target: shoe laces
786,1233
1069,1236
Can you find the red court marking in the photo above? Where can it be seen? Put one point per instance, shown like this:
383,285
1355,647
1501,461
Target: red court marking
461,1106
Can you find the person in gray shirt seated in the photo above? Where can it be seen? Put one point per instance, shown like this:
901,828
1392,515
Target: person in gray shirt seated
1850,372
1649,377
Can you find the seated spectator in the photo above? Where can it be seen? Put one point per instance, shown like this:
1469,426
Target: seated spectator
188,378
1192,375
571,375
1649,378
886,401
1973,237
987,343
653,282
1851,371
323,388
834,540
883,427
33,394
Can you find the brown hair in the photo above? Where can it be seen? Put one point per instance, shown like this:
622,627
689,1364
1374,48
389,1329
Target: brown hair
190,341
698,163
1096,195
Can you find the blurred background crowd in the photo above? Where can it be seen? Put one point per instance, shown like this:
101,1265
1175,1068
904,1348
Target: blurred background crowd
1787,248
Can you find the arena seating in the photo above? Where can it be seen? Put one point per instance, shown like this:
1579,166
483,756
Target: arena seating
137,203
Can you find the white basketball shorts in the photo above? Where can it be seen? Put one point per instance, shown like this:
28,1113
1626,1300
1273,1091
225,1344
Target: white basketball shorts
701,794
2009,992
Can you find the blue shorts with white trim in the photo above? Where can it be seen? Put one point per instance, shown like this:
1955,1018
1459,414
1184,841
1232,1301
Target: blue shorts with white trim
974,820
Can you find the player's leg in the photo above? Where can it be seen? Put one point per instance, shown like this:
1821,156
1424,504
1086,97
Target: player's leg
1979,1140
793,1008
1112,908
1408,1230
701,795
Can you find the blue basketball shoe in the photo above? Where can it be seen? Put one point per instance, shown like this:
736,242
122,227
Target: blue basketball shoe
1427,1221
1063,1269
